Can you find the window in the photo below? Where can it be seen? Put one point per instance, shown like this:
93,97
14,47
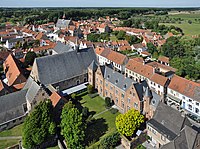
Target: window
171,91
111,87
78,82
116,100
136,105
97,79
197,110
163,138
190,100
158,86
189,107
129,100
85,79
116,91
197,104
106,84
128,107
122,95
101,81
122,104
183,97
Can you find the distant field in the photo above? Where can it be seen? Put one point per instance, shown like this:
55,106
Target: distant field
188,29
191,17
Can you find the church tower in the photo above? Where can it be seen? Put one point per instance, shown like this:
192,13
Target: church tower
147,96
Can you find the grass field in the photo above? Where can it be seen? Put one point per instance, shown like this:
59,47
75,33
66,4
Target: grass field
188,29
6,143
191,17
15,131
105,122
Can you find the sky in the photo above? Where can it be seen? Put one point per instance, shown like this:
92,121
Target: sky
99,3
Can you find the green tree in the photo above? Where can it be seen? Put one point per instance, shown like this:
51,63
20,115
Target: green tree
108,102
110,141
127,123
39,125
151,48
90,89
30,57
72,127
121,35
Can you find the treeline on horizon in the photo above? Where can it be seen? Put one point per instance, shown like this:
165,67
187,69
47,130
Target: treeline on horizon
51,14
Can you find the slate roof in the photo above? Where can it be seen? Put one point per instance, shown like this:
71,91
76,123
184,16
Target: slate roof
61,47
61,23
59,67
185,140
32,91
168,121
11,105
93,66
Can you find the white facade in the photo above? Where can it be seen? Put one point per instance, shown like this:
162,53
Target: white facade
186,103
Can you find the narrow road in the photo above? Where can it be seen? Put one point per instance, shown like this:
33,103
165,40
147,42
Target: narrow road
11,138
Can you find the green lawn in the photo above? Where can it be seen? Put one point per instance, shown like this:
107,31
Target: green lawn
104,123
113,38
6,143
15,131
188,29
94,104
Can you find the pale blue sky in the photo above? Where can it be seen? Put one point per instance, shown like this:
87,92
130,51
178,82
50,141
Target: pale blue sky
99,3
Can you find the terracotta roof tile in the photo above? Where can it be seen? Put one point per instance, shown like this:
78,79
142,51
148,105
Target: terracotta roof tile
159,79
55,98
164,59
116,57
186,87
140,68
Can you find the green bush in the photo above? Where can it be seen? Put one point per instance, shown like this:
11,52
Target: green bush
110,141
140,147
113,111
108,102
90,89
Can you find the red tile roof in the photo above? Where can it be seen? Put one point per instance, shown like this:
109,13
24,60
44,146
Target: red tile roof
140,68
159,79
55,98
164,59
186,87
13,70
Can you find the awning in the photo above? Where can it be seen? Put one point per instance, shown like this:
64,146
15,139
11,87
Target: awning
74,89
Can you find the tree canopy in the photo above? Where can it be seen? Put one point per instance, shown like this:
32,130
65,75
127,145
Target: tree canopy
72,126
39,125
30,57
127,123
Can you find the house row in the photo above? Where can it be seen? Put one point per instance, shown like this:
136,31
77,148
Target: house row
108,56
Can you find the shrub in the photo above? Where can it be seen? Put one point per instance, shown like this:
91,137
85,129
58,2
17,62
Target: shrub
140,147
108,102
110,141
90,89
85,111
73,96
113,111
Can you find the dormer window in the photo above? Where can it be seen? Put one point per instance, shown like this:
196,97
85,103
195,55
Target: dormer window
116,81
108,76
124,86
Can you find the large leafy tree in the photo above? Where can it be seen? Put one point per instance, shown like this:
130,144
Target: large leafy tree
72,127
39,125
30,57
127,123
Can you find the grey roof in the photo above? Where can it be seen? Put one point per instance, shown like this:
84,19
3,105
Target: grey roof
168,121
147,92
117,79
155,100
28,83
93,66
61,47
13,40
185,140
55,68
61,23
11,105
32,91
